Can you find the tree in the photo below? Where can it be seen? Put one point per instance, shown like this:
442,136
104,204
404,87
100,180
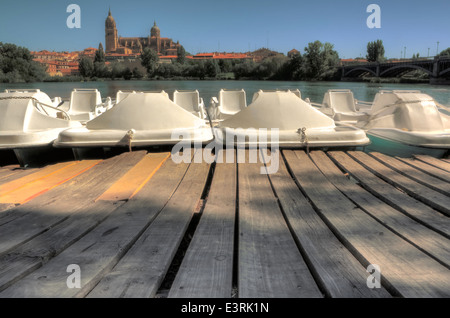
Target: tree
137,73
127,74
149,59
181,55
86,67
375,51
117,70
212,69
319,61
17,65
100,55
226,66
445,52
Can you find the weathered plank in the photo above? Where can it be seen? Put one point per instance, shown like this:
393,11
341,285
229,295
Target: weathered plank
405,270
422,193
8,171
141,271
414,174
431,170
31,190
36,176
417,234
392,196
269,262
135,178
39,215
31,255
207,267
13,173
340,274
98,251
26,258
441,164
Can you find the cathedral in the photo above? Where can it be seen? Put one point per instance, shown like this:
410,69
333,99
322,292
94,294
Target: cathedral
135,45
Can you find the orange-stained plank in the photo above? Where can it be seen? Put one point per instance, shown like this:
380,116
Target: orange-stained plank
133,181
37,187
43,173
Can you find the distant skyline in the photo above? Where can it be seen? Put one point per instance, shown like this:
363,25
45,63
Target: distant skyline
234,25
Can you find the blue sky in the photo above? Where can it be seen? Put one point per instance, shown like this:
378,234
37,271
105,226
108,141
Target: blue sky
233,25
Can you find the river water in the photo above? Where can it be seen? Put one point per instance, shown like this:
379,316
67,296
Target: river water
207,89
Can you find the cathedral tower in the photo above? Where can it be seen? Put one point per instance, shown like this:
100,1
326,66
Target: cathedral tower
111,38
155,38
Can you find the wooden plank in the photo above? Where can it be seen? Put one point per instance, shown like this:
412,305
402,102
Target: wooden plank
127,186
414,174
31,255
417,234
405,270
392,196
37,187
5,172
340,274
41,174
441,164
269,262
141,271
34,218
15,173
431,170
97,252
422,193
207,267
28,257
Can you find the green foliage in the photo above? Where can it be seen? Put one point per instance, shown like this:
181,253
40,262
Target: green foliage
245,69
212,68
181,55
319,61
445,52
167,70
149,59
100,55
226,66
137,73
117,70
375,51
17,65
127,74
100,70
86,67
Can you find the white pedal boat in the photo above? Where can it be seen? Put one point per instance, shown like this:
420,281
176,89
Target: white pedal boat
294,123
407,121
30,122
85,104
229,103
139,119
341,105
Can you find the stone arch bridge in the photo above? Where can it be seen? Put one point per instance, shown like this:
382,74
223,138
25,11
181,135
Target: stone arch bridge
436,68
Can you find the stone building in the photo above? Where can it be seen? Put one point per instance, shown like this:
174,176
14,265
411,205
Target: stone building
134,45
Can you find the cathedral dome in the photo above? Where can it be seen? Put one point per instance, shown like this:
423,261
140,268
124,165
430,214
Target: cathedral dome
110,23
155,31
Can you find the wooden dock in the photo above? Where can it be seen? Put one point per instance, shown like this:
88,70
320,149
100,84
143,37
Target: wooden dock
140,225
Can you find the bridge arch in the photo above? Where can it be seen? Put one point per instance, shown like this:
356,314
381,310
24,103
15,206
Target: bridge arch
405,67
365,69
